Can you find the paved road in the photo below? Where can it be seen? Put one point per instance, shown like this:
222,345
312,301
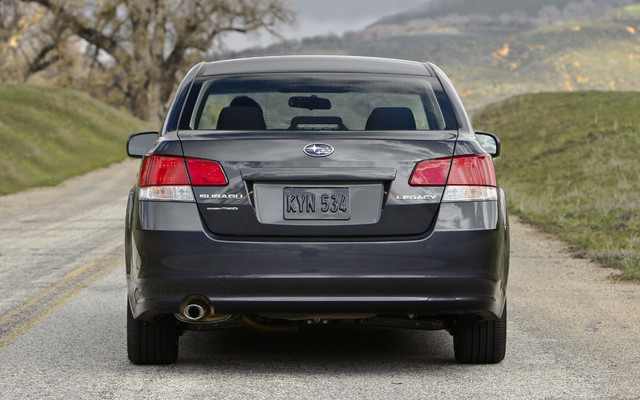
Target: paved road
572,332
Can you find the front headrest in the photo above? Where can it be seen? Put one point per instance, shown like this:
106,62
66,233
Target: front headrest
391,119
240,118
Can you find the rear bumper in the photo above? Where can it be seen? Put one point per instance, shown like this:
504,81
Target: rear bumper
449,272
156,297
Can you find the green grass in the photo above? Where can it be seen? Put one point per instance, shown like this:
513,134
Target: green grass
600,55
570,166
49,134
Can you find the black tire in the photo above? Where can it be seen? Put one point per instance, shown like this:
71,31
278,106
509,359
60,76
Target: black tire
152,342
480,342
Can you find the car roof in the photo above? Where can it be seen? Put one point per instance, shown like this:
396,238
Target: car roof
313,63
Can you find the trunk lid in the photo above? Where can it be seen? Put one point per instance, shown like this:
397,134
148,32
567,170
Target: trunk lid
275,189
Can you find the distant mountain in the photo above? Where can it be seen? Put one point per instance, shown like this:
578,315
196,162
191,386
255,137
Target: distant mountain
441,8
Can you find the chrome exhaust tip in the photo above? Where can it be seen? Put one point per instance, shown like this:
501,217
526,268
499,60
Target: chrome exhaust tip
193,312
197,308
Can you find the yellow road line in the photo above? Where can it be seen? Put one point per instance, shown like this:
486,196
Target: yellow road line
35,308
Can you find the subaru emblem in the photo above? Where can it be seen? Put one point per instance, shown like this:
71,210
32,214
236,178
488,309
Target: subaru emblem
318,149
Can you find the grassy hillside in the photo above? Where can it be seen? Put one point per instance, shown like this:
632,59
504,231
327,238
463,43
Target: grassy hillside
570,166
574,56
49,134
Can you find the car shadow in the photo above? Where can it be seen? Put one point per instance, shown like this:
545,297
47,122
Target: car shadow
315,349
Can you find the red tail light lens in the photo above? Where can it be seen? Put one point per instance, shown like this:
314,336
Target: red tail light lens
472,170
159,170
206,173
431,173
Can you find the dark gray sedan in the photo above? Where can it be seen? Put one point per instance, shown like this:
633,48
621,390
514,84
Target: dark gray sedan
284,191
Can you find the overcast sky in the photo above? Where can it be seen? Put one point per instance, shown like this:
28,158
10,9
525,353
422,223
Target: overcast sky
318,17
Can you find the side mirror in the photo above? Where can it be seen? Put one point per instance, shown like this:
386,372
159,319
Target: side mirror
140,143
489,142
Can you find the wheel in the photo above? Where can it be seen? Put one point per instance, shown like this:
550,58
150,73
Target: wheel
480,342
152,342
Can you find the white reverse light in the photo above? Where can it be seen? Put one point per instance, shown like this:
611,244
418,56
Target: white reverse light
172,193
469,193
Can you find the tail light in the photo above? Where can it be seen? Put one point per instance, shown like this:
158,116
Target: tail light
431,172
466,178
472,170
206,173
159,170
167,177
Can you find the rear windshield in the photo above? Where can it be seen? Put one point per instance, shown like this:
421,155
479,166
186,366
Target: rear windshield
308,102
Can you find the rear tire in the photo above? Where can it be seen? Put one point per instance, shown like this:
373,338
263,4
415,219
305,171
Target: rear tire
152,342
480,342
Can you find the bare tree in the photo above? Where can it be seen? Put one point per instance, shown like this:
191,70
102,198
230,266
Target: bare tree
140,47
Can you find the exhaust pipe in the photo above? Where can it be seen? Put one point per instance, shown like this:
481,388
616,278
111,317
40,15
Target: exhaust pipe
197,308
193,312
194,308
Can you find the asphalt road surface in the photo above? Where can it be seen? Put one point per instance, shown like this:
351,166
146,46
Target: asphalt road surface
573,333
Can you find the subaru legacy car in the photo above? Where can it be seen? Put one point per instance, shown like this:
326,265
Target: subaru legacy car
297,190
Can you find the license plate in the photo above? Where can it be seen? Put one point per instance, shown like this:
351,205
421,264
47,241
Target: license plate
317,203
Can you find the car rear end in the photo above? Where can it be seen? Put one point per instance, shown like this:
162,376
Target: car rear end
321,193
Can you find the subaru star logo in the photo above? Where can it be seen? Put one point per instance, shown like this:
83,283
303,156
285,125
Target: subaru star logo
318,149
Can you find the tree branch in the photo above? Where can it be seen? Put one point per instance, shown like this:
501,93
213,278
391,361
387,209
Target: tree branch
79,28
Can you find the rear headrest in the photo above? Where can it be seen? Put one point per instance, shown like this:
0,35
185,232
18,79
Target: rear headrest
240,118
391,119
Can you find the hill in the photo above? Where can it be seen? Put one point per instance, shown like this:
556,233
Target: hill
441,8
49,134
570,166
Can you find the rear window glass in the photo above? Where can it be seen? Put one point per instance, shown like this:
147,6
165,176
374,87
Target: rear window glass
308,102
